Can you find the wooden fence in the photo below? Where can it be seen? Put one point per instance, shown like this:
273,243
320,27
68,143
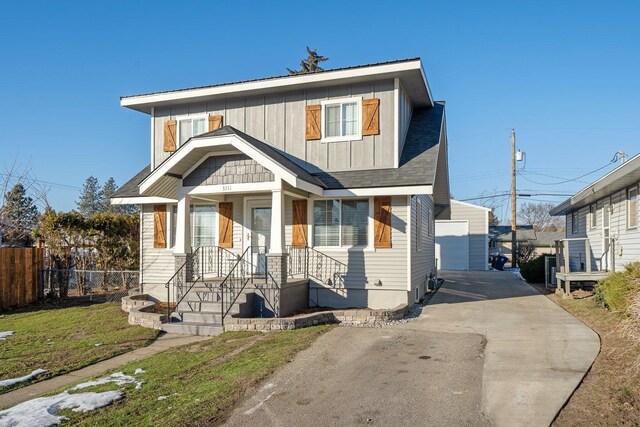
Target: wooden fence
20,276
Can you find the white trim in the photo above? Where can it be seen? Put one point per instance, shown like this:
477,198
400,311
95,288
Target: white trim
628,207
374,70
246,218
409,243
471,205
396,122
215,141
141,200
379,191
339,101
230,188
486,247
153,138
419,229
369,247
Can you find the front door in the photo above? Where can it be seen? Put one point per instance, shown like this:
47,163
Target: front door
258,235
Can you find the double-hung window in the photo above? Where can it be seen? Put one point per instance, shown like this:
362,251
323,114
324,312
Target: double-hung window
341,119
203,225
191,126
340,222
632,207
593,216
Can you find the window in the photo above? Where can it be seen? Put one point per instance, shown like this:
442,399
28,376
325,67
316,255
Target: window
574,222
493,244
189,127
606,215
174,222
203,225
593,216
632,207
341,119
418,225
340,222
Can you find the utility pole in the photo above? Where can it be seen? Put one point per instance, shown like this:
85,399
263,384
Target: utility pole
514,242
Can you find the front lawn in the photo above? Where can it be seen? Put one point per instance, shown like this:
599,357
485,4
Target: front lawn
62,339
199,383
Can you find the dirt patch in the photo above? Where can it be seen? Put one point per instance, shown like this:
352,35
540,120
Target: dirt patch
610,392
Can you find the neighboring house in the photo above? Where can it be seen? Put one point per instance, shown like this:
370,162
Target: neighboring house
500,238
601,226
328,180
545,242
461,241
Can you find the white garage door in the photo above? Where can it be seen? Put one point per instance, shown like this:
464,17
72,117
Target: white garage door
452,245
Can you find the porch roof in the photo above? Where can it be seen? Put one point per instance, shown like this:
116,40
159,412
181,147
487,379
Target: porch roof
623,176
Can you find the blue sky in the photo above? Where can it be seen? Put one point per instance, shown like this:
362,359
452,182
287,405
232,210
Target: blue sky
563,74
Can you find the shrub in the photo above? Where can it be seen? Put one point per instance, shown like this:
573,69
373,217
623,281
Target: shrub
616,291
533,270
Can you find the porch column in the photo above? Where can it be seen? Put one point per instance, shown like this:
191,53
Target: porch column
183,227
277,223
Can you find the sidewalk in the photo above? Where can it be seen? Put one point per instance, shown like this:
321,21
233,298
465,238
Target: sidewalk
162,343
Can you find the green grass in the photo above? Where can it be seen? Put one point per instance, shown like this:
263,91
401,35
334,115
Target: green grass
63,339
208,378
616,291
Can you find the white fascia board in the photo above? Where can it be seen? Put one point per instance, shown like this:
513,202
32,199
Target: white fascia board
237,142
277,82
471,205
380,191
426,83
141,200
230,188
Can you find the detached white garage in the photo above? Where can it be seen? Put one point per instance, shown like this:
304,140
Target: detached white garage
462,242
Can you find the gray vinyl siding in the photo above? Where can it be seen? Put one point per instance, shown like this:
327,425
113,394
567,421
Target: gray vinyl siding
628,240
279,120
423,261
158,265
367,265
405,109
478,232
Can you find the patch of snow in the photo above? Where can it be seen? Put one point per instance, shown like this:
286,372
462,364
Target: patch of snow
43,411
5,334
515,271
139,371
12,381
97,344
117,378
166,397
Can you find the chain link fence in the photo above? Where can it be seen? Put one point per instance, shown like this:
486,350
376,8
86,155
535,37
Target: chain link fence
111,285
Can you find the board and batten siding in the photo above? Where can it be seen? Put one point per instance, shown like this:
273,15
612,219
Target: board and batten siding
366,266
279,120
423,260
478,217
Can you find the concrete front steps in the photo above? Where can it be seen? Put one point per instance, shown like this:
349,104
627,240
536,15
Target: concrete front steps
200,312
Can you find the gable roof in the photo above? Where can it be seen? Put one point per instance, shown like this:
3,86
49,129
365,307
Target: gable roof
502,233
618,179
409,71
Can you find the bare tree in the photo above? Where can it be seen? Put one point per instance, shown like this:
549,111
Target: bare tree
18,179
311,64
537,215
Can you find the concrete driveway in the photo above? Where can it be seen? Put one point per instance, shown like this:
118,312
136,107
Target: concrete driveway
488,349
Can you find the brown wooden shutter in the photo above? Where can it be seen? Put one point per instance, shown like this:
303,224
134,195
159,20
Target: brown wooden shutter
382,222
370,116
225,229
215,122
170,135
159,226
299,225
312,122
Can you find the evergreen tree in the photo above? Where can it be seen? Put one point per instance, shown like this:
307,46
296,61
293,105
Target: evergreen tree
108,190
90,201
18,217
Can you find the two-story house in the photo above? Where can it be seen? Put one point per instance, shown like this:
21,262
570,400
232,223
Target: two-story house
602,232
326,180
